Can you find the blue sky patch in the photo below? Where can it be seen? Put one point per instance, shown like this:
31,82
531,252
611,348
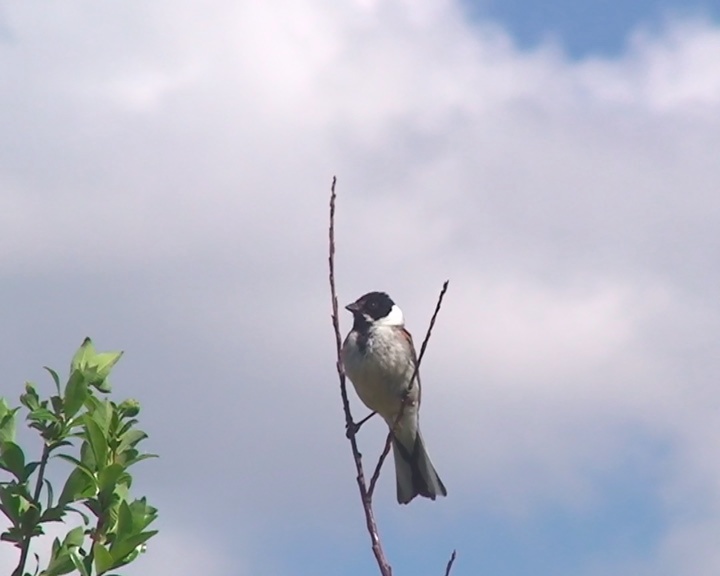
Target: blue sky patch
592,27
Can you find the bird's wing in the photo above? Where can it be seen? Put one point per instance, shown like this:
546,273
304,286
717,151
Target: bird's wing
408,339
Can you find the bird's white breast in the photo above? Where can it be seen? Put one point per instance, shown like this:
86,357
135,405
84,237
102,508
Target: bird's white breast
380,373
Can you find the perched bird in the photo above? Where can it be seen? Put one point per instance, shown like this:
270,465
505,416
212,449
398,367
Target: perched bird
379,358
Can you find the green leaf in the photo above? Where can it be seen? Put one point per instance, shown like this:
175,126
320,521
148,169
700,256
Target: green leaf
55,514
71,459
87,456
55,547
15,500
83,354
57,404
78,563
4,408
60,561
30,514
49,488
98,442
102,412
10,505
75,537
94,404
37,564
55,378
53,433
122,489
129,408
135,459
108,477
95,366
30,467
14,535
103,386
103,558
124,521
7,422
30,399
121,548
143,514
12,459
75,393
104,363
130,439
59,566
94,506
126,426
42,414
80,484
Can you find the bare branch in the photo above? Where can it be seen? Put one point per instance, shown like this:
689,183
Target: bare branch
378,467
356,425
365,497
450,563
429,332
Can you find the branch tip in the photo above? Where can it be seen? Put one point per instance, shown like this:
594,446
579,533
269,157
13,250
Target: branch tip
450,562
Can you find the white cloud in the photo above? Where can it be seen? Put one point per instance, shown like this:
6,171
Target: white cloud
672,72
518,331
186,553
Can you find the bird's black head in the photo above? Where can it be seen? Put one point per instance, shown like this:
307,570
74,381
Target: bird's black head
372,306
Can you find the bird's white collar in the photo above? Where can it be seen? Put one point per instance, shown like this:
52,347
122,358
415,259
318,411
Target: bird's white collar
394,318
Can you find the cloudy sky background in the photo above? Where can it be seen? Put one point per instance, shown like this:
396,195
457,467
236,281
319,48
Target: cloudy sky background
164,178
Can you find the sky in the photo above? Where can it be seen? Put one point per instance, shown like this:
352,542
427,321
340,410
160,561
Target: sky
588,27
164,177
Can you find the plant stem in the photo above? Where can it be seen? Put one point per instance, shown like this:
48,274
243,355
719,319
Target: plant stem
36,501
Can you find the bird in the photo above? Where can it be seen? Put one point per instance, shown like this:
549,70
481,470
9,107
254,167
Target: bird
378,356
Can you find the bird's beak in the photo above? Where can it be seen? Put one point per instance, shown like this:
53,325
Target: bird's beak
352,307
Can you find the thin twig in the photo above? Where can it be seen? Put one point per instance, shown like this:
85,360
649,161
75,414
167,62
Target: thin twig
429,332
378,466
365,497
450,563
383,455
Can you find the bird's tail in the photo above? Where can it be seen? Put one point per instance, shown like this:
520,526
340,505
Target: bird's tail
414,472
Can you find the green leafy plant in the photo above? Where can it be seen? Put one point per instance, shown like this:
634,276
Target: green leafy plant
99,438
